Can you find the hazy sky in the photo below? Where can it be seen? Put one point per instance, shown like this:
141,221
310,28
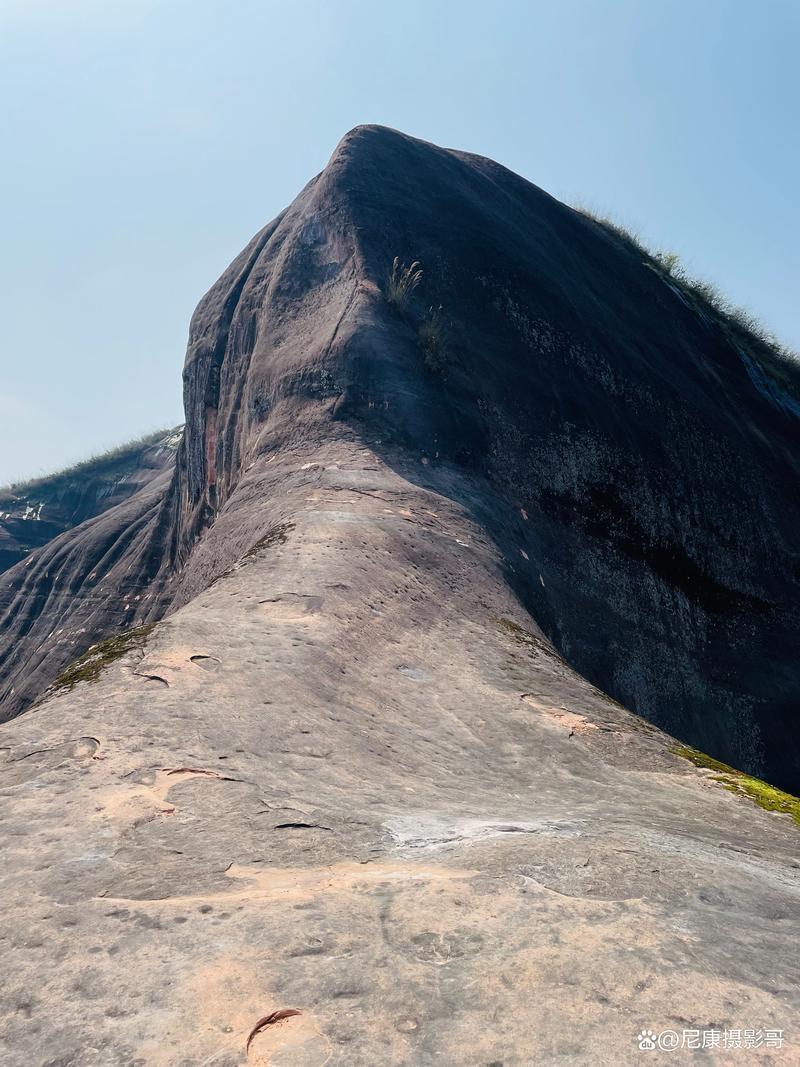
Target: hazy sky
145,141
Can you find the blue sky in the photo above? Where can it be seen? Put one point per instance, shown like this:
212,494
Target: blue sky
145,141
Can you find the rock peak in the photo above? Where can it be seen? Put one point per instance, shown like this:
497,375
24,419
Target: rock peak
335,708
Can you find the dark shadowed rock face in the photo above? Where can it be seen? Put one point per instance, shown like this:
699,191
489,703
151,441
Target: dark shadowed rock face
345,794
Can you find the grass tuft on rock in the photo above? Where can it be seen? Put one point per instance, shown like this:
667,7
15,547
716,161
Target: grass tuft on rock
519,634
276,535
401,283
89,666
527,640
765,795
432,341
740,328
94,465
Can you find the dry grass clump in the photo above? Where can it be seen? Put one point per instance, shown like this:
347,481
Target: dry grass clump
119,454
401,283
432,341
741,327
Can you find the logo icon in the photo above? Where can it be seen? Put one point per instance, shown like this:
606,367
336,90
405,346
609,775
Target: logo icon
647,1040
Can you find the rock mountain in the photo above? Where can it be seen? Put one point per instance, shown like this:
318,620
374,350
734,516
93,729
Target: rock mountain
383,755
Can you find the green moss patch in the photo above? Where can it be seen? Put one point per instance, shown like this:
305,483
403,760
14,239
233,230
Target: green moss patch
87,668
523,637
766,796
516,631
528,641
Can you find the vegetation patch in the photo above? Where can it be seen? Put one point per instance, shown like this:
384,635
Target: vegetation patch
401,283
399,289
433,342
766,796
520,635
276,535
527,640
87,668
739,326
119,456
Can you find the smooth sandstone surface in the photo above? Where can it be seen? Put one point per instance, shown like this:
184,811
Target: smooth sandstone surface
335,782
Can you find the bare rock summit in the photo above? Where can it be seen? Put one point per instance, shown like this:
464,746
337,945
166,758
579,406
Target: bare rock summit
418,710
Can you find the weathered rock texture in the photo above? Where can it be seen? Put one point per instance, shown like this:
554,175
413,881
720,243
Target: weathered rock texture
351,773
33,513
99,532
342,781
